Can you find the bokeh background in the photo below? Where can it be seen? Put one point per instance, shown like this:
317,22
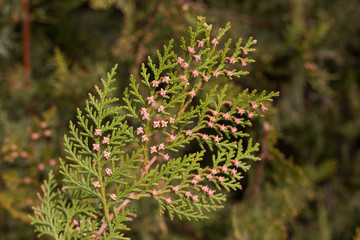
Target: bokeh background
52,53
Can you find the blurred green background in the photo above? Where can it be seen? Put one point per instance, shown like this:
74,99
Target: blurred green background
306,186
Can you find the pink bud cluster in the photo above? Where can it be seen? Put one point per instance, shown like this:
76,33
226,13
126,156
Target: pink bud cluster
200,43
197,57
229,121
214,42
211,122
245,52
113,196
108,171
160,109
96,184
183,78
191,50
160,147
234,60
210,174
139,131
157,124
155,84
166,79
162,92
145,114
185,65
215,73
154,193
104,141
81,226
254,106
229,116
166,157
150,99
96,146
97,132
160,123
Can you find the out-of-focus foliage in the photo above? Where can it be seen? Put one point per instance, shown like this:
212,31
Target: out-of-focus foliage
307,50
268,212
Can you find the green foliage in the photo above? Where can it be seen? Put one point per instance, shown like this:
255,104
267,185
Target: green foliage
50,220
271,211
26,155
109,163
308,50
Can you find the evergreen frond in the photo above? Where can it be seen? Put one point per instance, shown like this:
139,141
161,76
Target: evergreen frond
118,154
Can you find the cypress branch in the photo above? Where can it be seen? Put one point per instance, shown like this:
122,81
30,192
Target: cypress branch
110,163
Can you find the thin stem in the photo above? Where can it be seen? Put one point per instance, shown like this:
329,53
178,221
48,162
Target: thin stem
147,166
26,41
102,190
118,209
190,100
147,130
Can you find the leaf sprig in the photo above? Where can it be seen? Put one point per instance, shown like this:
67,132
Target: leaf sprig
111,162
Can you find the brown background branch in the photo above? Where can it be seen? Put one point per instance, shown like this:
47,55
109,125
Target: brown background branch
26,41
